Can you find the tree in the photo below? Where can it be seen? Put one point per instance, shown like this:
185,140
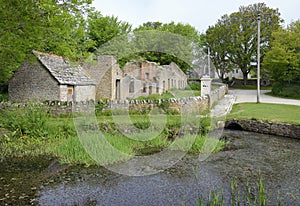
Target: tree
237,35
102,29
166,48
217,43
283,60
46,25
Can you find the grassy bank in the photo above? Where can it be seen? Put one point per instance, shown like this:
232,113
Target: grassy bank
266,112
33,131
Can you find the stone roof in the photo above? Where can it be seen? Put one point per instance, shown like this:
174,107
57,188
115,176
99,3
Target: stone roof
62,70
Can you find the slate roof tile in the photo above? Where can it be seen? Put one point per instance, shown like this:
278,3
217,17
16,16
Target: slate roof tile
62,70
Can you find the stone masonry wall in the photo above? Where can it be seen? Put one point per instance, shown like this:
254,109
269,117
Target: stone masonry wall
175,104
199,103
84,93
218,94
272,128
33,81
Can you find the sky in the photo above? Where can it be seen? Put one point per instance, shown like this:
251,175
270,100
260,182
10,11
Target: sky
199,13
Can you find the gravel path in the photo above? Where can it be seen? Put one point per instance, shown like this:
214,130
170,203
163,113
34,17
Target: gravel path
251,96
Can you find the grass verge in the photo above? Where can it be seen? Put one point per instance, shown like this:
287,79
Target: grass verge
266,112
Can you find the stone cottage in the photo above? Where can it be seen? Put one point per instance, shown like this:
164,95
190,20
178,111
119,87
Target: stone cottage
107,75
50,77
135,79
148,78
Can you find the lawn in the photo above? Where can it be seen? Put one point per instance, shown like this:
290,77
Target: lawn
266,112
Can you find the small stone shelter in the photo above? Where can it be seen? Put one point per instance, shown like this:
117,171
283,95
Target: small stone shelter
50,77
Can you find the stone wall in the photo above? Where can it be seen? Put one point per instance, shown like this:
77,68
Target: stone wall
33,81
54,107
104,72
150,78
84,93
272,128
175,104
155,78
218,94
199,103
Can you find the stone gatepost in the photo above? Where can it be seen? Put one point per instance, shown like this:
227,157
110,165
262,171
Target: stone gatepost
205,86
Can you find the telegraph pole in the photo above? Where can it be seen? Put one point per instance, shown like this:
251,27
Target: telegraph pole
208,61
258,58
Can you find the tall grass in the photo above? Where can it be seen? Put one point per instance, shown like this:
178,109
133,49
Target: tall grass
239,195
33,130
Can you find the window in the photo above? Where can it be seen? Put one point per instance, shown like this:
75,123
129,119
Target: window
144,88
70,91
150,90
147,76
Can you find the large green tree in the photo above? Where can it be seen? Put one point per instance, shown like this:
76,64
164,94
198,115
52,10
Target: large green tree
283,60
157,42
234,37
102,29
52,26
217,42
165,48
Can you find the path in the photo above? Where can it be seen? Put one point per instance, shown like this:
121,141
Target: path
251,96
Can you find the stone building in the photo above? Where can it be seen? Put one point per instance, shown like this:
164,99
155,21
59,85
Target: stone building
148,78
107,76
50,77
135,79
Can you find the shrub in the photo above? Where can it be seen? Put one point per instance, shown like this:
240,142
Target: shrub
28,120
286,90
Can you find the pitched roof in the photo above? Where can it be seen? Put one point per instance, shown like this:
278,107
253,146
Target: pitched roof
62,70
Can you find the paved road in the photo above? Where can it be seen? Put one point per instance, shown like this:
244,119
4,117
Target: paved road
251,96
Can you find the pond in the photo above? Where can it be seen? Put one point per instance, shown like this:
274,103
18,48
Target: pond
247,157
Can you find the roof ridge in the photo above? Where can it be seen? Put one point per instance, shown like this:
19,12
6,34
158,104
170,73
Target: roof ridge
47,54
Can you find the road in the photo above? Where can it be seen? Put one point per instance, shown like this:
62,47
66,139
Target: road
251,96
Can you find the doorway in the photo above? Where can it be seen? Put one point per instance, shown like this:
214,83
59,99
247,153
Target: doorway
118,89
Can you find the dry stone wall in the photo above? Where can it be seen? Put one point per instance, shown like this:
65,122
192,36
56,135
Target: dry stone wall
272,128
199,103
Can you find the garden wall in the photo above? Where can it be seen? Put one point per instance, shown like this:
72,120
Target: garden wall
272,128
199,103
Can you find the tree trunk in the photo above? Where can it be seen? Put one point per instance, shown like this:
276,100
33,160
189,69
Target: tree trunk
245,77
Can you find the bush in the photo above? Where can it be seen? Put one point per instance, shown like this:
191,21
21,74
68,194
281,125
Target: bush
101,104
286,90
28,121
3,97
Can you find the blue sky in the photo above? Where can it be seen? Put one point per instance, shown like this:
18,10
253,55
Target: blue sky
198,13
